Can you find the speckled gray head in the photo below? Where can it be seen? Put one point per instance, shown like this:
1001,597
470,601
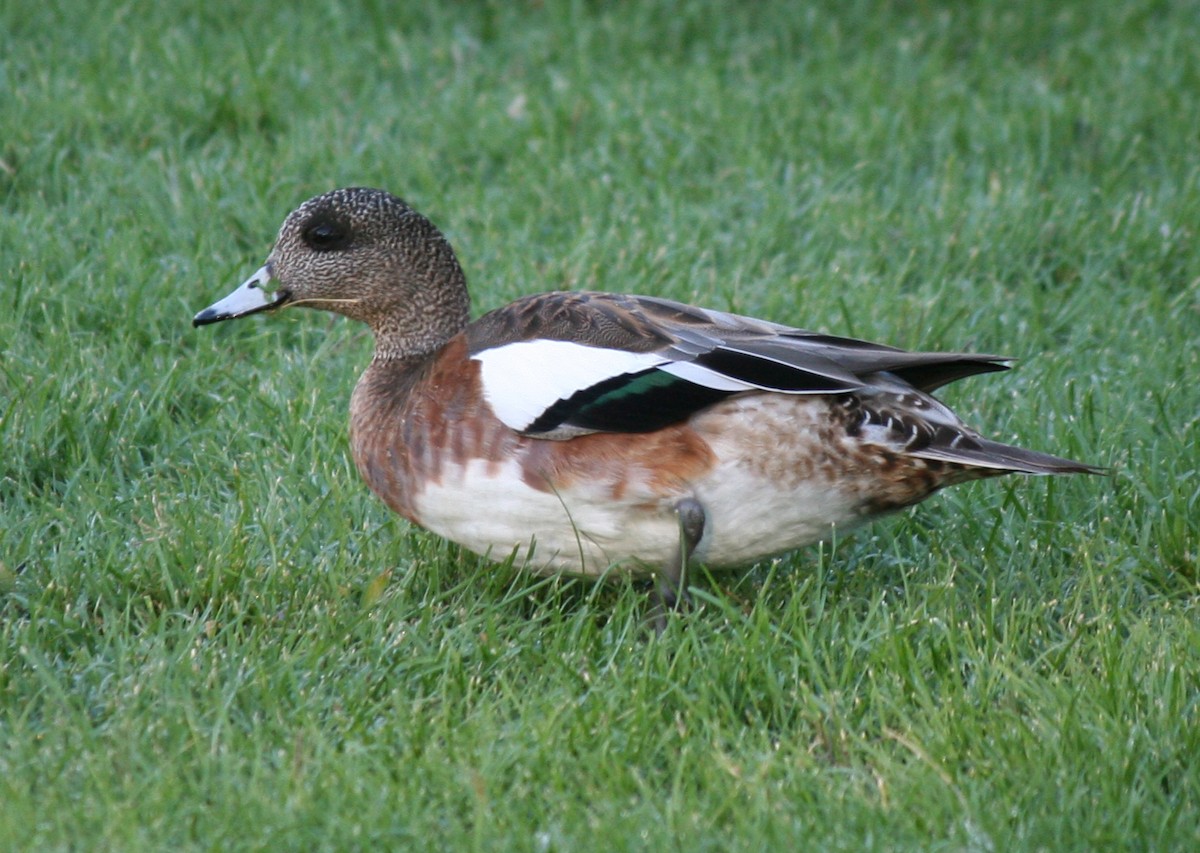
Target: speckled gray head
359,252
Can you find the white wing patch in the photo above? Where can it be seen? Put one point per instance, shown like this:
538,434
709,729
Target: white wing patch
521,380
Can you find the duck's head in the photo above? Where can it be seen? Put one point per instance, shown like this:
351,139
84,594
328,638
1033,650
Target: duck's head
366,254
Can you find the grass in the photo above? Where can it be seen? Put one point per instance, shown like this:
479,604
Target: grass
212,637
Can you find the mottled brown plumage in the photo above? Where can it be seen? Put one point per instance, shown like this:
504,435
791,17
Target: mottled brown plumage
591,432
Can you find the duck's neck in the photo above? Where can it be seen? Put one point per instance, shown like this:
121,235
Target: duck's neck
404,350
426,314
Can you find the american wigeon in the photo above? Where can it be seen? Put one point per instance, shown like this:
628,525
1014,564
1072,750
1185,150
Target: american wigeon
594,432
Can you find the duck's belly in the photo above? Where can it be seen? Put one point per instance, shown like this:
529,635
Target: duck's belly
490,510
777,474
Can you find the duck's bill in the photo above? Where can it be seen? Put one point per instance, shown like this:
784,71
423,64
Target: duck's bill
252,296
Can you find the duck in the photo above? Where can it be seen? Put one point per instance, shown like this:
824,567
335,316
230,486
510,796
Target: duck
610,435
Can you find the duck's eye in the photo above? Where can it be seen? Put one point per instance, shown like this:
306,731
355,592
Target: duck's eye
325,236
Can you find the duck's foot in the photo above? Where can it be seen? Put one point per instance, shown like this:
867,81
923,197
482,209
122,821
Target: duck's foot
670,589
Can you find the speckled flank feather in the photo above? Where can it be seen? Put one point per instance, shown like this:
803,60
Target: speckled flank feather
593,431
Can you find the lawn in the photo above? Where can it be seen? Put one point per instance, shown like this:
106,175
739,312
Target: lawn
212,637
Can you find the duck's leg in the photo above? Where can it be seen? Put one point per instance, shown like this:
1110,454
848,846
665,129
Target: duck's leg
670,589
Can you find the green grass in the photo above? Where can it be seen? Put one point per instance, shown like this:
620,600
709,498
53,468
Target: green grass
212,637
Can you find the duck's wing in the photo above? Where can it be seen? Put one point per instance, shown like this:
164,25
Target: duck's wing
561,364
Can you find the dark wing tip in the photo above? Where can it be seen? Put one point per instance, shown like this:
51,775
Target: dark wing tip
931,375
